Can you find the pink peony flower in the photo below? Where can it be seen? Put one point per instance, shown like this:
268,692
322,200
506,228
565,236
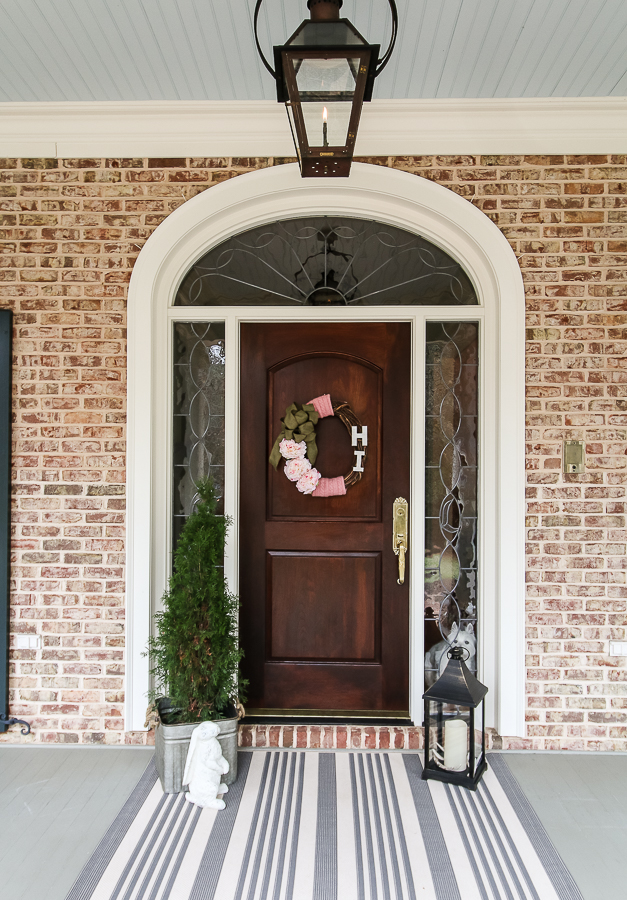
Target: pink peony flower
296,468
292,449
308,482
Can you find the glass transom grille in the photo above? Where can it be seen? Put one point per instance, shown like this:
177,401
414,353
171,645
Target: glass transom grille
326,261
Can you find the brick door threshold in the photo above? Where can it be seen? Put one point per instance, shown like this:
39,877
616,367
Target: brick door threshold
340,737
355,737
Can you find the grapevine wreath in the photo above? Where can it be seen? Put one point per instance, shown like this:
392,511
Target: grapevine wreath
296,443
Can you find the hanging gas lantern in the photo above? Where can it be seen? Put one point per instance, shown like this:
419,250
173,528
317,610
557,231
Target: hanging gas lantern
323,74
450,704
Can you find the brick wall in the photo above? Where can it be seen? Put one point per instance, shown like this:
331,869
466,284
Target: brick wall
70,231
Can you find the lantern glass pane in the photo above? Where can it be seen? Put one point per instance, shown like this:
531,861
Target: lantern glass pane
337,120
449,736
326,79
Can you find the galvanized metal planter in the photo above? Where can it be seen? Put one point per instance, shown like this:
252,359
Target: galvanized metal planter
172,744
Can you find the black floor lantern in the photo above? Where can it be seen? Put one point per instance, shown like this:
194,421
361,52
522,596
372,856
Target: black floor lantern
324,74
450,704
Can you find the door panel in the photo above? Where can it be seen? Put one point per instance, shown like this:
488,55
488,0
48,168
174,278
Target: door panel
342,591
324,624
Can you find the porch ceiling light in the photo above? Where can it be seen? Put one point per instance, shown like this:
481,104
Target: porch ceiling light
323,74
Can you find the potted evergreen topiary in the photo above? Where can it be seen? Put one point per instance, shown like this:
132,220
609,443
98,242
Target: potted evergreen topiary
195,654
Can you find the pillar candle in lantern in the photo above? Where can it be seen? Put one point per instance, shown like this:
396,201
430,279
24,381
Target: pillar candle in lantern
455,745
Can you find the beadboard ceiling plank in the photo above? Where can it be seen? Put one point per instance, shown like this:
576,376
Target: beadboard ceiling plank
598,72
87,51
24,60
52,38
506,26
168,50
113,37
535,40
575,41
467,46
141,35
206,58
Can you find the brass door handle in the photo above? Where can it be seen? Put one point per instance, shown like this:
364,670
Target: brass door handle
399,537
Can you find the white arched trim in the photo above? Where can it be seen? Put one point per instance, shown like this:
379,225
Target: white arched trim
395,198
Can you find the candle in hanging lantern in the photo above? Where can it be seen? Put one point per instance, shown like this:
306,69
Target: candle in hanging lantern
325,136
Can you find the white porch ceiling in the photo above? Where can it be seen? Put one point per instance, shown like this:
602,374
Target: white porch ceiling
173,50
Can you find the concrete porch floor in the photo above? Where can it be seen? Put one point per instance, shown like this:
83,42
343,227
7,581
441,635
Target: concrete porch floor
57,803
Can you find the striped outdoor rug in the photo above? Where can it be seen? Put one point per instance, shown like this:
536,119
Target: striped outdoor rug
318,825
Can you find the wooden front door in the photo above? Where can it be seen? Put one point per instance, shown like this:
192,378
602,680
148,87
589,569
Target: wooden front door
324,623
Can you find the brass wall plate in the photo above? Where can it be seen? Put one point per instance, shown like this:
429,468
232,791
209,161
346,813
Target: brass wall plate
574,457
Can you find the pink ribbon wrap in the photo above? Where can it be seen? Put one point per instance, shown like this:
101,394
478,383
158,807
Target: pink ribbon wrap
330,487
323,405
327,487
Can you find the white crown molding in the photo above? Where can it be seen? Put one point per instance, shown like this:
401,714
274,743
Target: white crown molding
243,128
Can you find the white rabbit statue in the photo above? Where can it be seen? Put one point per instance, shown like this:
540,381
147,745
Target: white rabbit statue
436,659
205,767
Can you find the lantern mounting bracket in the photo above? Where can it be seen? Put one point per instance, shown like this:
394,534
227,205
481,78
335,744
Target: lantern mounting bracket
381,63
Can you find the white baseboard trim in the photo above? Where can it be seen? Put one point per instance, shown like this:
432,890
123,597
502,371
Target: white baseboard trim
388,128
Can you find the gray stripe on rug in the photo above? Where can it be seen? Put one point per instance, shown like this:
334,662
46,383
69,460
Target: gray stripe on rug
212,860
325,871
139,845
169,856
367,828
274,830
168,829
181,855
467,847
91,874
361,891
376,802
472,822
561,879
442,874
491,815
291,875
251,832
385,805
256,868
399,827
163,822
278,878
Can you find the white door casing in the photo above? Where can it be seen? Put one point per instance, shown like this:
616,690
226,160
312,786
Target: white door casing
375,193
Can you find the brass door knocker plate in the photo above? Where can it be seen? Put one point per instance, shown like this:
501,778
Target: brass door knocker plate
400,535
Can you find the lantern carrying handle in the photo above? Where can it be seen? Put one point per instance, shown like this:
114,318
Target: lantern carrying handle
456,652
381,63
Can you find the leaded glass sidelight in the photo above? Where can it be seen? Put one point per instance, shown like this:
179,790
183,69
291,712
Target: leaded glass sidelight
326,261
450,493
198,413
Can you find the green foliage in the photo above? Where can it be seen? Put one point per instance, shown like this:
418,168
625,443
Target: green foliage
195,656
